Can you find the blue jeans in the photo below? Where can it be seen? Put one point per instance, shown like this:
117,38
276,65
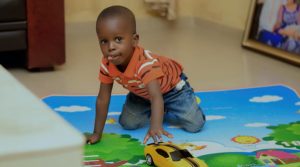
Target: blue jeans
180,106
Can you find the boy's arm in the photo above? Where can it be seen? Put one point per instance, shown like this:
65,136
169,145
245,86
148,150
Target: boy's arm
157,113
102,104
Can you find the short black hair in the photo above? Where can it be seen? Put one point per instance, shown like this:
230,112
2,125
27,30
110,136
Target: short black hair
118,11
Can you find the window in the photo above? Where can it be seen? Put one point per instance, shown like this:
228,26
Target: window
162,153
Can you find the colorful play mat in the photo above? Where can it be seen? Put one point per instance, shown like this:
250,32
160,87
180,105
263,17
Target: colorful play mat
249,127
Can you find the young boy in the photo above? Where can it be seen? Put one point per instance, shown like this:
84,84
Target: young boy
156,84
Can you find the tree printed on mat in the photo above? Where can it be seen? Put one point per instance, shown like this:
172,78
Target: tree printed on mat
287,135
115,148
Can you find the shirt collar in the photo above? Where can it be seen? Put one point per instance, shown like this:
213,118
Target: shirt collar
130,69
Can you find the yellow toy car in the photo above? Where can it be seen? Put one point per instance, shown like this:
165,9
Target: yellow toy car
170,155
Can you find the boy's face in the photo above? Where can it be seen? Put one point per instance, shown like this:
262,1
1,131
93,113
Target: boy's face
117,40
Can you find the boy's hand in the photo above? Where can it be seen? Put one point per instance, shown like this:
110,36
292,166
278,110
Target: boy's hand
156,134
94,138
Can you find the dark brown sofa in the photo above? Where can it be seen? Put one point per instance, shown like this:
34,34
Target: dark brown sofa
32,32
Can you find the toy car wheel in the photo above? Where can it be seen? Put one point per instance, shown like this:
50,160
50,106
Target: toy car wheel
149,160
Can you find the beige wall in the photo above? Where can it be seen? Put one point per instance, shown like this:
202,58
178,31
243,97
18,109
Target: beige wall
231,13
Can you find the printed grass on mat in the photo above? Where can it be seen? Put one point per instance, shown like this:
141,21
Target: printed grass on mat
250,127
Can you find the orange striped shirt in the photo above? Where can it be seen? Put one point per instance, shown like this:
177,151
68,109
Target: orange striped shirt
142,68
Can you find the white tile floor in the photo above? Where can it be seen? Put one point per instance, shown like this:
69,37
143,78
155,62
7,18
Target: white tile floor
211,54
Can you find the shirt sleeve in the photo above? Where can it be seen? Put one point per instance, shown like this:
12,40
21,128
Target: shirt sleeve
149,70
104,76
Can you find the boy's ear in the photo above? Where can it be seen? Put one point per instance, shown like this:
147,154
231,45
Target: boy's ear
136,38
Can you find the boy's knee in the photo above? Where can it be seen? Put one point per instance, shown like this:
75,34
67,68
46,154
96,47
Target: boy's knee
128,125
194,127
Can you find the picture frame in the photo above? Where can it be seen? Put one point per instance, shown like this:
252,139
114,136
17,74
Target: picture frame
260,33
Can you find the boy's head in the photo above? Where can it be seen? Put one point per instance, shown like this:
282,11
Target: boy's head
116,31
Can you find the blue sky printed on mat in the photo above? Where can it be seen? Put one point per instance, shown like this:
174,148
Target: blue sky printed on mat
230,113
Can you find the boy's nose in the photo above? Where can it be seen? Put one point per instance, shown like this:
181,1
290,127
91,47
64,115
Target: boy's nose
111,46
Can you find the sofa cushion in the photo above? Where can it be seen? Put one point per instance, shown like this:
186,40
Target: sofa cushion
16,25
13,40
12,10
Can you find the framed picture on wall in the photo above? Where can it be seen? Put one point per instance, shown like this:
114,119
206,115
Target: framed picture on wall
273,27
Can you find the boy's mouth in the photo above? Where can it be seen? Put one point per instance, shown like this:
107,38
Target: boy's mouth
113,57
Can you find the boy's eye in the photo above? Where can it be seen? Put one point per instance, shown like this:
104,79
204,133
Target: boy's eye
118,39
103,41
